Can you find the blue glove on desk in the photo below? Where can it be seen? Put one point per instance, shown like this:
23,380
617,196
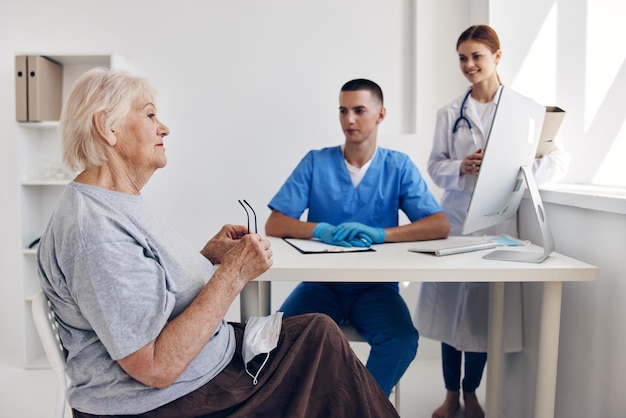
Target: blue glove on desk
325,232
360,240
349,231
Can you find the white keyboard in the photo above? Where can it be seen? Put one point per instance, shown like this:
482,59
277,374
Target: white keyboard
453,245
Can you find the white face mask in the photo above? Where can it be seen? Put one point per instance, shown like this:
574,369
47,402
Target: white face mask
260,337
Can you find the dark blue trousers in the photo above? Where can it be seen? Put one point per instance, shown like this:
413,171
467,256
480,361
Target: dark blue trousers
378,313
474,367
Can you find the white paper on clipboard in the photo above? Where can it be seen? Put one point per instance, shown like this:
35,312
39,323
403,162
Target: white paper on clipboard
314,246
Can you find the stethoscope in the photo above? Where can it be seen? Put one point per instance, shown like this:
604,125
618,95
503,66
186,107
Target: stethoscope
462,118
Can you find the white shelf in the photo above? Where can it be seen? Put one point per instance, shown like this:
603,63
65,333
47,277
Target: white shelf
45,182
38,363
53,124
606,199
41,181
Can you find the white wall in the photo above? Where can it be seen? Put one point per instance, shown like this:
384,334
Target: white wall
248,86
590,374
567,53
552,53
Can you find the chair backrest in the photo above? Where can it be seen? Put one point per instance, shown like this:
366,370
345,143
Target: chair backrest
48,330
350,332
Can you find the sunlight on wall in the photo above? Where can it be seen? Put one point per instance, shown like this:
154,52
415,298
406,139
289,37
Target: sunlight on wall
537,75
605,50
602,55
606,56
612,171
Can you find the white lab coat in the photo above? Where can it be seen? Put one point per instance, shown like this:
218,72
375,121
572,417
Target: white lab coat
457,313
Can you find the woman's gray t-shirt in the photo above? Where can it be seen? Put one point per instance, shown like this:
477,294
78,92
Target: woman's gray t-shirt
115,275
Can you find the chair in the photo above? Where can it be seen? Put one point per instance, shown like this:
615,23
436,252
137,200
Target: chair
47,328
353,335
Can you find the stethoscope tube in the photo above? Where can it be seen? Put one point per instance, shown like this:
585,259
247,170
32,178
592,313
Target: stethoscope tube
462,118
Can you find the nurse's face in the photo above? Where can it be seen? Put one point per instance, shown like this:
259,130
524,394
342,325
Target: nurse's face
477,62
360,112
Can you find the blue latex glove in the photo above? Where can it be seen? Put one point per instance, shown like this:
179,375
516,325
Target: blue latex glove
348,231
325,232
361,241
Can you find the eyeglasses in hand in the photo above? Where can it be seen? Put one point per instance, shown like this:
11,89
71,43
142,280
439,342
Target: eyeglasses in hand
248,214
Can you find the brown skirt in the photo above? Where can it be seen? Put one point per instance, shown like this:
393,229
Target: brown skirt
312,373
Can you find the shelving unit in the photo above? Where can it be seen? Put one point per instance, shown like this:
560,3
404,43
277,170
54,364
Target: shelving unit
42,178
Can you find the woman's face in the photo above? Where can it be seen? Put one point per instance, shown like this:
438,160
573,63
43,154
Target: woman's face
477,62
139,142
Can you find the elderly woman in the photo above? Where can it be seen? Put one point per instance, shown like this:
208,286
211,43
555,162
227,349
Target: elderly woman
142,315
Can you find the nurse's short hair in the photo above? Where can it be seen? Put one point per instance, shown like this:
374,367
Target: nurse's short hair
364,84
98,90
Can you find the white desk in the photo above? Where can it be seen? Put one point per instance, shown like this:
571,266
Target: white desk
393,263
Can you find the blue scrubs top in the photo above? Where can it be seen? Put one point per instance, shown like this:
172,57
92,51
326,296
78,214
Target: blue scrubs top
321,182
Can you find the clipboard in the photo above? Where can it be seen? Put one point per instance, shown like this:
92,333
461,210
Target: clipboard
314,246
551,124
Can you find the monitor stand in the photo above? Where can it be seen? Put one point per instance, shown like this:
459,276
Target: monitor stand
546,234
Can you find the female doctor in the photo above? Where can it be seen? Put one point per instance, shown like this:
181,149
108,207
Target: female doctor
456,313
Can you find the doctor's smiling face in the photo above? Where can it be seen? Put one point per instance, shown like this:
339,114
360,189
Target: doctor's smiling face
360,112
477,62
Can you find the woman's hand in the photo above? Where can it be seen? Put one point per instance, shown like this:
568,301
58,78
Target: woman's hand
160,362
251,257
222,242
471,164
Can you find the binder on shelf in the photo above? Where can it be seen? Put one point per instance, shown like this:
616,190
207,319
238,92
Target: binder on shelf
38,88
21,90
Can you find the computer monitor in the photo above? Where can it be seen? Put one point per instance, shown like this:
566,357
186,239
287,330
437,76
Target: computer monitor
506,169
